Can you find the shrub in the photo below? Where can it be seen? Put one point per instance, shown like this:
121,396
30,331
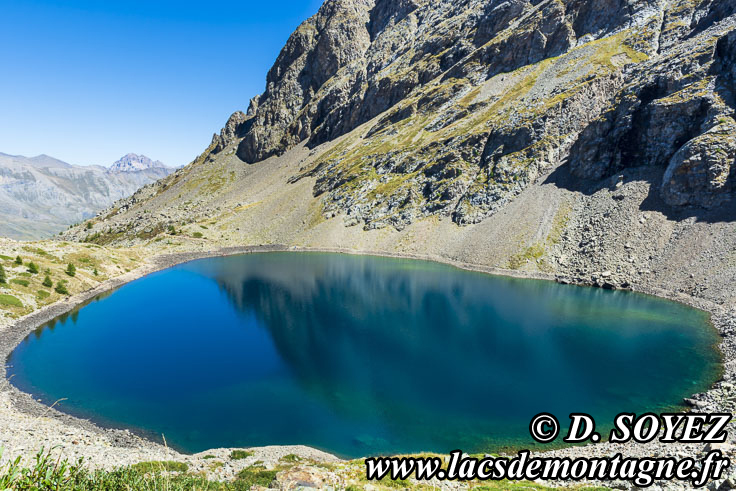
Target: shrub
52,473
197,235
18,260
93,237
47,282
95,272
256,476
240,454
71,270
3,278
32,268
61,288
10,301
89,226
42,294
20,282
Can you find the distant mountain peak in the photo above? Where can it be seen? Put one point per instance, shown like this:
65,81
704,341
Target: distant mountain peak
133,162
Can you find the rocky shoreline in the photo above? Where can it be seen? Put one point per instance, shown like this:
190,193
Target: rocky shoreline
46,426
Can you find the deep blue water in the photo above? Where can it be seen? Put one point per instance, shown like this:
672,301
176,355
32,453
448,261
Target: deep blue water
360,355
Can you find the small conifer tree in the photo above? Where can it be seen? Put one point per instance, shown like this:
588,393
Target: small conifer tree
3,278
32,268
47,282
18,261
71,270
61,288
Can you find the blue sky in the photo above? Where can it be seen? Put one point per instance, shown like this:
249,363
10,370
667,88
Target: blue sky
89,81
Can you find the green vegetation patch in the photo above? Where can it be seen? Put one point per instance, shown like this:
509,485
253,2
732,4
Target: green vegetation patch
256,475
150,233
38,251
240,454
531,253
20,282
50,473
161,466
10,301
105,238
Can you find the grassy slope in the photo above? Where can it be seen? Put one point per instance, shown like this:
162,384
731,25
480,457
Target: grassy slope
51,473
24,291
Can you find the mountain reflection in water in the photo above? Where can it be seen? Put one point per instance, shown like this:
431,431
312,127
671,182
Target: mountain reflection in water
364,355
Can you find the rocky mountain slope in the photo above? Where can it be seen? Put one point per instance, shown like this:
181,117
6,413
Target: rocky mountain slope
480,98
41,196
591,141
594,139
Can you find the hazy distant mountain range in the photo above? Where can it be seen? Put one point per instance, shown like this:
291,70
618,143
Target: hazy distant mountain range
40,196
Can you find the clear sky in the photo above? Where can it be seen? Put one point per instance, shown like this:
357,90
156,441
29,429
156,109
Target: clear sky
89,81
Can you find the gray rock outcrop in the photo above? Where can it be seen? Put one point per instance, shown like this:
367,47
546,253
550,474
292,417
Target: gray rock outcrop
474,100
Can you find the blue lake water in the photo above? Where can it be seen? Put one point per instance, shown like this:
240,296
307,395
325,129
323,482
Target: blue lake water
360,355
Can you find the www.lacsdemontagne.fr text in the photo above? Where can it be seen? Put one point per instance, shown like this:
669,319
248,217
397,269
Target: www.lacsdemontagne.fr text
641,472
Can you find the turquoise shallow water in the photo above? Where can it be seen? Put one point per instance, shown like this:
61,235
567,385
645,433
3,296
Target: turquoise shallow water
360,355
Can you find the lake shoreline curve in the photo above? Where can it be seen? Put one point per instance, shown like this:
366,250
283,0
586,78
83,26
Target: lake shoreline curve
102,447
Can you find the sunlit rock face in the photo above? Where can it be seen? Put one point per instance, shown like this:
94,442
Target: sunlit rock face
469,102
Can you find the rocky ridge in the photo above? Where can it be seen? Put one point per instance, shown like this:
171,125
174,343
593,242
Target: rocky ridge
481,98
451,109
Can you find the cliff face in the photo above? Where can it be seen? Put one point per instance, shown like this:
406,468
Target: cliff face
354,60
478,99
